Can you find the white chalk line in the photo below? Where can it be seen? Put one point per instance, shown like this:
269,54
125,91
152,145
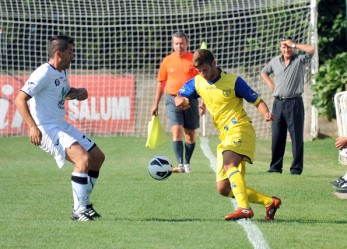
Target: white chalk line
254,234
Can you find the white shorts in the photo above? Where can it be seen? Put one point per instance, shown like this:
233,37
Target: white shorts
58,139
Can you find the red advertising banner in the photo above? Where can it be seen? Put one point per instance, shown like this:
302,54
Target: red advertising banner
11,122
109,109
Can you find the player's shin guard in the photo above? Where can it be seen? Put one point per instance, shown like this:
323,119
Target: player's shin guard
80,191
238,187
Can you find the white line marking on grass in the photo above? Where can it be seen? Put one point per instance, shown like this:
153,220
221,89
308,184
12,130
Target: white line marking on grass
254,234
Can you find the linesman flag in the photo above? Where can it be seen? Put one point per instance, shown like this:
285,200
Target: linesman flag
203,45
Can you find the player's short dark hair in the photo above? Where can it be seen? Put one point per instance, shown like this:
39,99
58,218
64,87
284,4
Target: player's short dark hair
180,35
202,56
59,43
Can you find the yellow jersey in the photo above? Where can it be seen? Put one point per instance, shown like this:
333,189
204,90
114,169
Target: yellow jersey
223,98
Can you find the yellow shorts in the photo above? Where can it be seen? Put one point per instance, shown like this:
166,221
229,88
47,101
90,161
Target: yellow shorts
241,140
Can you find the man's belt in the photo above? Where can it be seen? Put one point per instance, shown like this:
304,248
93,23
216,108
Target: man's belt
287,98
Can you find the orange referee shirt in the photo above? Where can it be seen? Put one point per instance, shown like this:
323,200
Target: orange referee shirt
175,71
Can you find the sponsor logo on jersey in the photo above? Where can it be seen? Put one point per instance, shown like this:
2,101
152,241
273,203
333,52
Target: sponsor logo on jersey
226,93
61,104
237,142
57,82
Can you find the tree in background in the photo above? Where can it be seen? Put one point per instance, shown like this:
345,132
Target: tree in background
332,47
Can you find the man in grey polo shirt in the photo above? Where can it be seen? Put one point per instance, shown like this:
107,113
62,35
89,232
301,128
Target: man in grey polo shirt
287,87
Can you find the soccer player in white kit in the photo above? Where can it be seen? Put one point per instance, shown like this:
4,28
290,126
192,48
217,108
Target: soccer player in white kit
46,90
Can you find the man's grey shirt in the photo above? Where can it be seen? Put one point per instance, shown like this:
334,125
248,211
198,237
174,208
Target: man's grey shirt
288,80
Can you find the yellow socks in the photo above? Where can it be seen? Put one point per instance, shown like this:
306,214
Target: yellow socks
258,198
238,187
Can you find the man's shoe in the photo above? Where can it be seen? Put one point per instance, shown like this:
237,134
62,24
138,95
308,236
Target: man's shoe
81,216
339,181
274,171
178,169
343,185
91,212
295,173
240,213
271,210
187,168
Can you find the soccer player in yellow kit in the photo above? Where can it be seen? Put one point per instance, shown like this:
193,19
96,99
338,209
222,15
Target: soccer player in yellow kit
223,95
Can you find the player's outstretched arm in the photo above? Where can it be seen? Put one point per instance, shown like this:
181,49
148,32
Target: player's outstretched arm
341,143
264,110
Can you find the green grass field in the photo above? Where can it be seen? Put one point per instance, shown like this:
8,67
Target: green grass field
183,211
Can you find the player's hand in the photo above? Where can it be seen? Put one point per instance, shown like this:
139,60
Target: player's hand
341,143
182,103
81,94
35,135
77,93
269,117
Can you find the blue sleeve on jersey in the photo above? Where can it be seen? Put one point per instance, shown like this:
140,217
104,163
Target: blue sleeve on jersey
188,90
243,90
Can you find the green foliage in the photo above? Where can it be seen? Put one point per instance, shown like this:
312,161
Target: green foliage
332,75
330,79
331,29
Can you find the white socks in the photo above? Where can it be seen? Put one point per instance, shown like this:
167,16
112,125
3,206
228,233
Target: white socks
345,177
80,191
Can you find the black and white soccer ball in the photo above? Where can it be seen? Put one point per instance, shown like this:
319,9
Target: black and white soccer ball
160,167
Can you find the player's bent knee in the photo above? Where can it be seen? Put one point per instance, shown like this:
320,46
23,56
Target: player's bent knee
100,158
97,157
223,188
82,163
223,191
84,159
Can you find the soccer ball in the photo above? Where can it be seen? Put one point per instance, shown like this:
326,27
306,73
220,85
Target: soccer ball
160,167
